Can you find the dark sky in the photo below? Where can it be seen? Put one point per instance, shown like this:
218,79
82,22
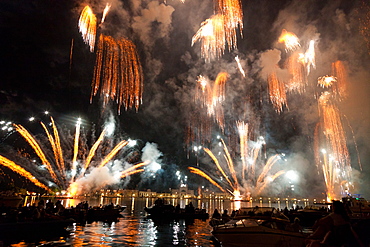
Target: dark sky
38,73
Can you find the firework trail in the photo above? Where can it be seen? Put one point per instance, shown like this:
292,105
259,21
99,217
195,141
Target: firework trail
105,12
338,168
87,27
296,68
243,135
309,57
277,92
21,171
339,71
36,147
239,66
118,73
211,34
218,92
113,153
290,40
131,173
132,169
204,175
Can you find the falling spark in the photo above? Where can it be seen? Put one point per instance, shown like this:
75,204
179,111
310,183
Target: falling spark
326,81
290,40
232,13
277,92
243,135
296,68
335,140
118,73
87,27
21,171
339,71
211,34
239,66
105,12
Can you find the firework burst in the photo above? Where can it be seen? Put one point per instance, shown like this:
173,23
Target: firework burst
62,170
235,180
290,40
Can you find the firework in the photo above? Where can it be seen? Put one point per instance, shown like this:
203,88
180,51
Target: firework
118,73
239,66
21,171
277,92
232,13
339,71
243,135
211,34
326,81
105,12
87,27
61,169
290,40
309,57
203,174
296,68
335,145
234,179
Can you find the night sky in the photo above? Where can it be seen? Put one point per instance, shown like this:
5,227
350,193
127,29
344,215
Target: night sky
39,72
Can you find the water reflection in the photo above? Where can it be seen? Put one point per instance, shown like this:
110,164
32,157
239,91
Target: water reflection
135,229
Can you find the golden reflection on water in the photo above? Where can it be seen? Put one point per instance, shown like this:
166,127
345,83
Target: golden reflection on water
135,229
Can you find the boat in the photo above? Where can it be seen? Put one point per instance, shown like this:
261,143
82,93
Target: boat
259,226
33,228
356,205
168,211
106,213
310,214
